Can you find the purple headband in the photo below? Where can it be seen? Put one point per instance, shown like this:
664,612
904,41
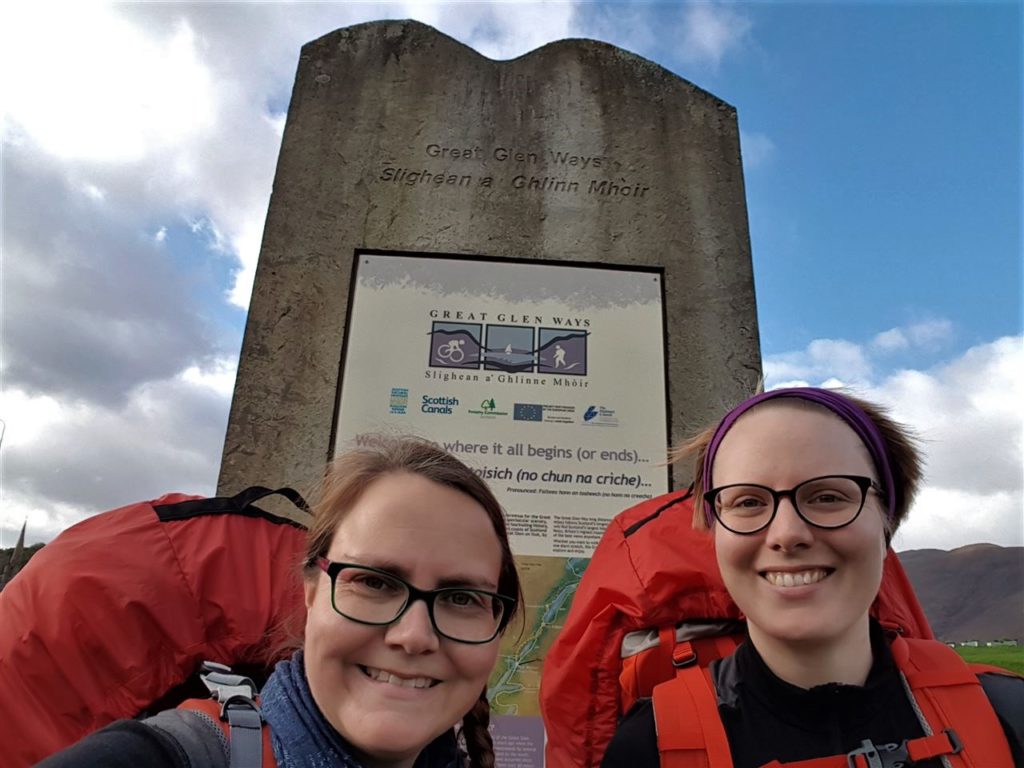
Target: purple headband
843,407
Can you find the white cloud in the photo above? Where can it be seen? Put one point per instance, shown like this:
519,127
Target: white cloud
946,519
498,30
968,413
63,460
711,31
929,335
757,149
97,194
218,377
104,89
822,359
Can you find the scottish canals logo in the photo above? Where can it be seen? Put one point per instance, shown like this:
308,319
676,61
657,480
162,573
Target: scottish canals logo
488,409
438,405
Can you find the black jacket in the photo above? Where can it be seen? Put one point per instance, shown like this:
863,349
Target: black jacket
767,719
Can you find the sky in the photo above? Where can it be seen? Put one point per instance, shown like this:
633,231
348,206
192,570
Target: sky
882,158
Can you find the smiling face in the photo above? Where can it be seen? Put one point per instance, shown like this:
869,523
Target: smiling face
390,691
794,582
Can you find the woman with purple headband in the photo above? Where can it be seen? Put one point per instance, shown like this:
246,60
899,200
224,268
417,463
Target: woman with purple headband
802,489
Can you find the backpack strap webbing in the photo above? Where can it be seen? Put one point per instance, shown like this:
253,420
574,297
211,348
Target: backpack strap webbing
946,694
868,755
690,732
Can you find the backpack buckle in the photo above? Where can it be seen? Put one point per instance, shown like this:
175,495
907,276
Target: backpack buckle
223,684
954,741
880,756
242,712
683,655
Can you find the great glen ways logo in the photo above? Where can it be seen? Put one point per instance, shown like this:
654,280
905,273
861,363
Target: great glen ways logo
509,348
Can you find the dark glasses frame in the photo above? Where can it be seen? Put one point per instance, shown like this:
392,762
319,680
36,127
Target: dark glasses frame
428,596
864,483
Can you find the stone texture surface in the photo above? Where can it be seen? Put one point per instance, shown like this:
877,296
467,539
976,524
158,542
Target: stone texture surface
593,154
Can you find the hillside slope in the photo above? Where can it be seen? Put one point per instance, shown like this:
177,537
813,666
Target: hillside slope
971,593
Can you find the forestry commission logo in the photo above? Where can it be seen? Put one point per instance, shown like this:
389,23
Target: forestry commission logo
488,409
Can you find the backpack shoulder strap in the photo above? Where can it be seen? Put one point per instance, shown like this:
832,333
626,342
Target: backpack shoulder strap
196,734
690,731
234,709
244,747
948,698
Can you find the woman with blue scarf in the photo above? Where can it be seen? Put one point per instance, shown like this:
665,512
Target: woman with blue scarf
409,583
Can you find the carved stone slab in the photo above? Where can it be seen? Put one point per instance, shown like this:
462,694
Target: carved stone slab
400,138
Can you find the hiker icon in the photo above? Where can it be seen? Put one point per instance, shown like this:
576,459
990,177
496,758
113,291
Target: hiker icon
559,356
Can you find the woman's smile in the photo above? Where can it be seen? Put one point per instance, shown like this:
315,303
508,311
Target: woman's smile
392,678
795,578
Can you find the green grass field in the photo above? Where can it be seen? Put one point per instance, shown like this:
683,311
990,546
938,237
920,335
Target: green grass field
1003,656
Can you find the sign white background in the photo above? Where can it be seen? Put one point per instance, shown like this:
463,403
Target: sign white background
599,445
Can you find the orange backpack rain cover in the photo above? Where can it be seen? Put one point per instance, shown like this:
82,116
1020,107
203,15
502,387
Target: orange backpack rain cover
123,607
651,569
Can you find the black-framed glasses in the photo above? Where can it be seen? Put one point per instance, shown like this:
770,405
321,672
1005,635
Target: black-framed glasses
832,501
371,596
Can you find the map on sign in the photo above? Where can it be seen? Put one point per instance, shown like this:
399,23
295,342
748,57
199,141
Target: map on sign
549,584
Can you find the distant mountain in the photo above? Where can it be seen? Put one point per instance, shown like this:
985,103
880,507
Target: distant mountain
971,593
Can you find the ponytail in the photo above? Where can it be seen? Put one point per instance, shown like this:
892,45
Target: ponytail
476,734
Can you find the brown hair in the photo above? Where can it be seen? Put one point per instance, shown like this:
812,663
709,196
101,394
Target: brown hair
900,443
377,456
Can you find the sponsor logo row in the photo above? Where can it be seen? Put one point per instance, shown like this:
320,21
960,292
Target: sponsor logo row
490,408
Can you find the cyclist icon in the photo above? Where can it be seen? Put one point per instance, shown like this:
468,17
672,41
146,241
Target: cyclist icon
452,351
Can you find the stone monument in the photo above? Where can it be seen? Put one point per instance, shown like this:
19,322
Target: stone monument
401,139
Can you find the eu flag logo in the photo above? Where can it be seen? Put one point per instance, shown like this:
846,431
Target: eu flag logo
528,412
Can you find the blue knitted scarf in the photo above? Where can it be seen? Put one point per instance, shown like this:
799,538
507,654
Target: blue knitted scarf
302,737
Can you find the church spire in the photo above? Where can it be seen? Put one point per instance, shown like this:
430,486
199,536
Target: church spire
16,556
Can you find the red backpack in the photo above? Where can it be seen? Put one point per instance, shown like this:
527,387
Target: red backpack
118,612
624,637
